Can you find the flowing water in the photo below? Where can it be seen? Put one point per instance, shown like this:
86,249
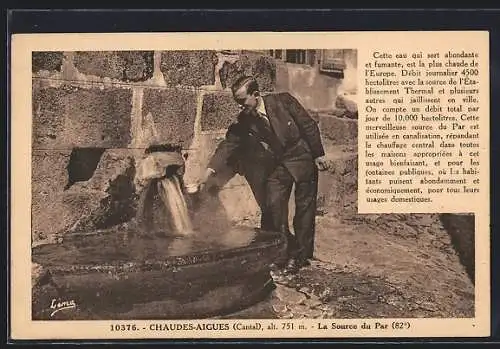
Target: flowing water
170,192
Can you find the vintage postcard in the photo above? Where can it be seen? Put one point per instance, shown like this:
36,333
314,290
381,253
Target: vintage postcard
250,185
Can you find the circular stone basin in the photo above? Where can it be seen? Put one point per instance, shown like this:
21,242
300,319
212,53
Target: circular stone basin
128,276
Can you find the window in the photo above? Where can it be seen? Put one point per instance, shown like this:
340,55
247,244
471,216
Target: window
332,61
278,54
294,56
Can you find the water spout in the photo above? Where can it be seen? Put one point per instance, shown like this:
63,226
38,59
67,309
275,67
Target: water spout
162,207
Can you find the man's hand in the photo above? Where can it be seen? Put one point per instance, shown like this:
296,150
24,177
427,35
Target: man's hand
321,163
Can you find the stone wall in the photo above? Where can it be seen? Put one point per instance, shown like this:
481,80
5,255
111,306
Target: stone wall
94,113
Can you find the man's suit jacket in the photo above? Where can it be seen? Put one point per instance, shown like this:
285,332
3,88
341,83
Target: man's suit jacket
248,152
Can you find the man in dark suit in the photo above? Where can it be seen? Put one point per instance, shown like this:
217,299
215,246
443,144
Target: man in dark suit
274,144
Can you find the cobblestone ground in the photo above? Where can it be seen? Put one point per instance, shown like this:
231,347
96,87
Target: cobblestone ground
374,266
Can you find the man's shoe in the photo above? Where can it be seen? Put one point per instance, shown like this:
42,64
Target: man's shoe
292,267
304,262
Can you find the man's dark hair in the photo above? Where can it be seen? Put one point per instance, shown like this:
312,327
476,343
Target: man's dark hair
248,81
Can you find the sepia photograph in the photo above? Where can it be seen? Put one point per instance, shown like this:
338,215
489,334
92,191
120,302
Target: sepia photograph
222,184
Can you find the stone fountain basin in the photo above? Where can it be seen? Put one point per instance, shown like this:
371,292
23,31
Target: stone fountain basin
126,276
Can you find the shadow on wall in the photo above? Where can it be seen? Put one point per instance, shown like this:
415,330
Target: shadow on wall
461,228
82,164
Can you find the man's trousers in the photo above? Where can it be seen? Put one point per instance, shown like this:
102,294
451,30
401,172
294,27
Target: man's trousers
278,190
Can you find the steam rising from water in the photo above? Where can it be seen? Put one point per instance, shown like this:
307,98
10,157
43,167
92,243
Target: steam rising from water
190,221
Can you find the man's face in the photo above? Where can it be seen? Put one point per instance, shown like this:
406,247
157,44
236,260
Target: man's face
245,100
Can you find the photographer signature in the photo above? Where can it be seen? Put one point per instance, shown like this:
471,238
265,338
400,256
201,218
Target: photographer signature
57,305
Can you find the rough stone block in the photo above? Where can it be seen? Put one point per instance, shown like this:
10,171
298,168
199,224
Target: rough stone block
173,112
49,173
337,187
122,65
50,61
219,111
260,66
105,200
55,217
338,131
188,68
113,182
49,176
347,105
69,117
48,113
